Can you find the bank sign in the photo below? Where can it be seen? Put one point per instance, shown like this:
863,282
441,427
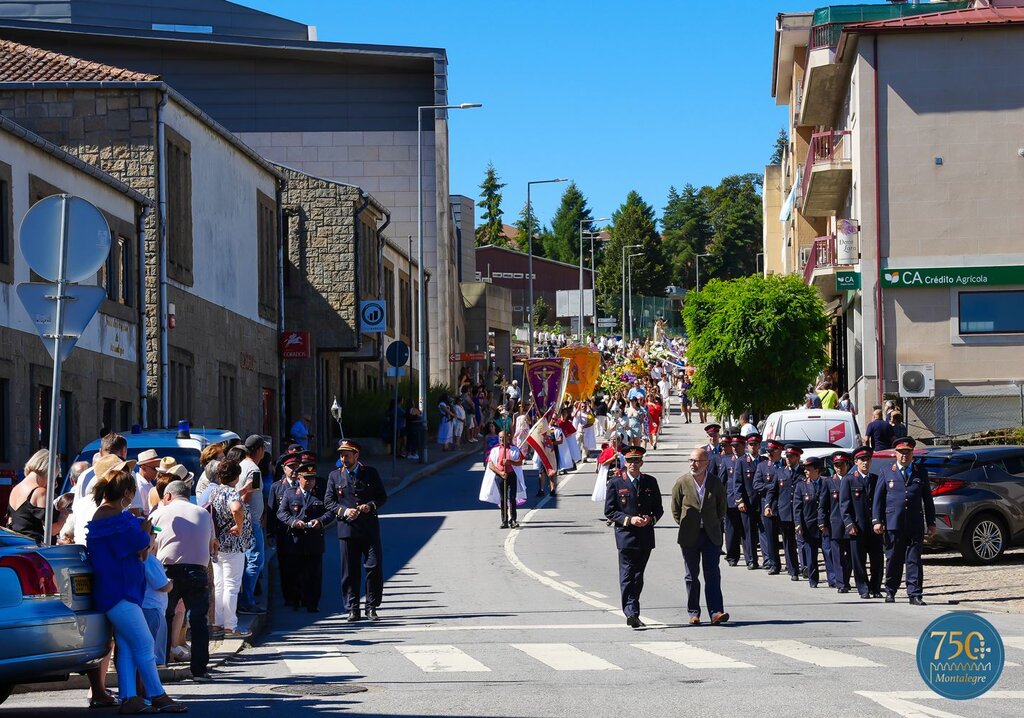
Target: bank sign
952,277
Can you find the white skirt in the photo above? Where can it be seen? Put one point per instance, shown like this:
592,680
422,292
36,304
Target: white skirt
600,484
490,492
589,438
564,455
574,446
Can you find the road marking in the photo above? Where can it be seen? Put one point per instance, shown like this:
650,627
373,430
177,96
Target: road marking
572,584
1014,641
595,594
903,703
564,657
516,627
806,653
513,558
442,659
908,644
553,574
318,663
690,656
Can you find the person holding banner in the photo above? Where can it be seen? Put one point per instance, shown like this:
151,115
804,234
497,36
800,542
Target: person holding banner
503,483
542,440
568,426
610,464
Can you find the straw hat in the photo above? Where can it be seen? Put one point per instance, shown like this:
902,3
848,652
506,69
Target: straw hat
112,462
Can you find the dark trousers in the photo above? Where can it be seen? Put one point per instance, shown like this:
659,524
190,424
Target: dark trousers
826,553
903,550
812,543
288,566
707,555
310,573
770,541
632,562
751,531
734,534
507,487
864,547
801,550
840,548
358,553
191,585
789,547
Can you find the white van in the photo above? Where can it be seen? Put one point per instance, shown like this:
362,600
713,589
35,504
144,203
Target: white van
819,432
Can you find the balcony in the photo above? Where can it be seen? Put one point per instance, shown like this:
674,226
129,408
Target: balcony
827,175
822,257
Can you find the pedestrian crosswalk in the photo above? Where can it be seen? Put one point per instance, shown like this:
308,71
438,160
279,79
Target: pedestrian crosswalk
716,655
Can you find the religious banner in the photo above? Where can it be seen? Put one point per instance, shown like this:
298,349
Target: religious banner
541,441
584,369
546,379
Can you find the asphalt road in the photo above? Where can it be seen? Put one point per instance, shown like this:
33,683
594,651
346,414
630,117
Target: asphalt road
483,622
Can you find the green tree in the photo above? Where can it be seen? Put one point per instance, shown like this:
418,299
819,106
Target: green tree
686,231
781,143
563,243
490,229
755,342
540,234
734,211
541,309
632,224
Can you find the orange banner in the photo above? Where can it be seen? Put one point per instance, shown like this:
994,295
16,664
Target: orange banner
584,369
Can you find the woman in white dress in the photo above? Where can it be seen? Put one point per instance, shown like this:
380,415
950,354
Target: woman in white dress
444,431
572,443
587,426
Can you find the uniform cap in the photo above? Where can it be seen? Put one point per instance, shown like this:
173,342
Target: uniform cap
813,461
774,444
635,452
306,471
712,429
348,445
754,438
842,456
905,442
863,452
794,450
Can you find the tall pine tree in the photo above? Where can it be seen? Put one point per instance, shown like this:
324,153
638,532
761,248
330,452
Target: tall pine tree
632,224
540,234
563,243
734,207
686,232
490,229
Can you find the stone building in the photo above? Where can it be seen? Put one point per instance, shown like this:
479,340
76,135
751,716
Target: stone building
101,379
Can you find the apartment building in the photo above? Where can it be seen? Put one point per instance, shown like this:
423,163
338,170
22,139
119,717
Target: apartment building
899,199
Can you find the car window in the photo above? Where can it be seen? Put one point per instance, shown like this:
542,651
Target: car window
1013,465
827,432
939,466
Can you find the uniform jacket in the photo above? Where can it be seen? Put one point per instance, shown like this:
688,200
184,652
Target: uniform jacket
277,492
348,489
295,507
750,465
625,501
780,493
692,515
730,473
805,506
735,485
903,504
830,514
764,480
855,495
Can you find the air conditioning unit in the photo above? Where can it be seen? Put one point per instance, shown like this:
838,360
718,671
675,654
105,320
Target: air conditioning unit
917,380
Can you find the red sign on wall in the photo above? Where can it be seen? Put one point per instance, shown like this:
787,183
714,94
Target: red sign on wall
294,345
836,433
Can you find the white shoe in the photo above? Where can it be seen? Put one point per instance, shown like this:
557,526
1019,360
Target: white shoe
180,654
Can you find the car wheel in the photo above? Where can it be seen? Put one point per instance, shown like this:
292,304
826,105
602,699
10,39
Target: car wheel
984,540
5,692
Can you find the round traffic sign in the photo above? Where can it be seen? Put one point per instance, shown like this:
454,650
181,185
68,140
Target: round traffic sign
88,237
397,353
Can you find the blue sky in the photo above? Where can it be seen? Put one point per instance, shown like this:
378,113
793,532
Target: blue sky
616,96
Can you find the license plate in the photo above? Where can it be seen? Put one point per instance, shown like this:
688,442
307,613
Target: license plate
81,585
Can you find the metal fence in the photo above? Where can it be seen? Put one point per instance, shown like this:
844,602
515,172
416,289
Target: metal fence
959,415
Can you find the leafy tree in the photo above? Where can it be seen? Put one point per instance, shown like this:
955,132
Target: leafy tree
541,309
781,143
734,208
686,231
632,224
756,342
490,229
564,242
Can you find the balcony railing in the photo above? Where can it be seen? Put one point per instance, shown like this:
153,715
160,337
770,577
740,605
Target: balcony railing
823,254
831,146
826,34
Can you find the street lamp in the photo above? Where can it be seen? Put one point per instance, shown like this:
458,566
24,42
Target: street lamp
421,324
624,248
593,274
698,268
583,222
629,264
529,248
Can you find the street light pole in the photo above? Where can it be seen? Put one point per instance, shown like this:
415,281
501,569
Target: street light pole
529,249
698,269
629,263
594,303
421,328
624,248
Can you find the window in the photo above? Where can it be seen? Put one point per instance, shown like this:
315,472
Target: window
389,298
226,395
180,390
266,229
991,312
179,207
118,273
126,417
405,297
367,260
6,225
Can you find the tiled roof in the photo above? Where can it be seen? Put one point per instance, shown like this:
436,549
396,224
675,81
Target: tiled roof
22,63
971,17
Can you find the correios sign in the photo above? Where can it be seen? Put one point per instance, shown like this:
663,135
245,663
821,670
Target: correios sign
952,277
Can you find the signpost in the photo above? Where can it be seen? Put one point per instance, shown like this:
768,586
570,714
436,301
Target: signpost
952,277
456,357
847,281
65,240
295,345
606,322
397,355
372,316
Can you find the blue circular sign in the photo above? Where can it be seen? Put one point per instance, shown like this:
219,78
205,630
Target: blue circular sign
960,655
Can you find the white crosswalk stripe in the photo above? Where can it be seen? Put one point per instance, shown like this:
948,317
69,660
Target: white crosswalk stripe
442,659
815,655
908,644
313,660
690,656
1014,642
565,657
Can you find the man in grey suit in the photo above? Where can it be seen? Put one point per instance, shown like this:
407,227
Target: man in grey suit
698,506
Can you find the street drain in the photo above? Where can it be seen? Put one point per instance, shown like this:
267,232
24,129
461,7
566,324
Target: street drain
320,689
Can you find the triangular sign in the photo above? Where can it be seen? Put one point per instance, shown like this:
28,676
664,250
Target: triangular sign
80,306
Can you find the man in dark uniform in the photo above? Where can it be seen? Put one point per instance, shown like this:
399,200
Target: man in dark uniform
731,475
288,463
780,507
764,479
633,505
806,496
305,518
833,527
901,511
354,495
750,510
714,445
855,495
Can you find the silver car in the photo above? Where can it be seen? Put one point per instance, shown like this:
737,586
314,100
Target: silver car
48,627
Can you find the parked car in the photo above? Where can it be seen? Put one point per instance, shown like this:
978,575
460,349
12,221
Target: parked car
184,445
48,628
979,498
819,432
